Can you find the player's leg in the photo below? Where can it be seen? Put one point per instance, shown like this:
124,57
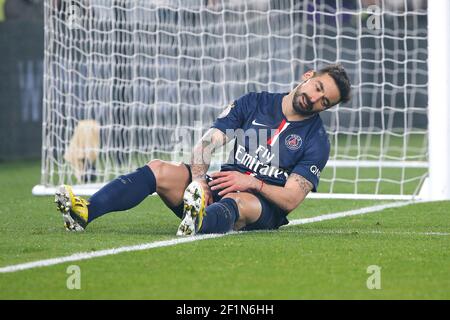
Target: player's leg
172,180
249,207
124,192
271,216
254,212
233,212
167,179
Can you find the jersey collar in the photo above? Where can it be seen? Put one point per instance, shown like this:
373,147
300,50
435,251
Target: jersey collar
283,117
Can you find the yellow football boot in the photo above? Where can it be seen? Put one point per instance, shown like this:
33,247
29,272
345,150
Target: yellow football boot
194,210
74,209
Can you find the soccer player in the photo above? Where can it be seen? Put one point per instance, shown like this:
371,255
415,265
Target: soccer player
264,179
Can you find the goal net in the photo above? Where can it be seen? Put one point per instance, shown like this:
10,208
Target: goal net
130,81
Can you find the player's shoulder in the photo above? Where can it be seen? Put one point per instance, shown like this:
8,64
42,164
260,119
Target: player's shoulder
318,137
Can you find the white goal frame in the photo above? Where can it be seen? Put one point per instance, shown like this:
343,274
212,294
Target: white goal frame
437,185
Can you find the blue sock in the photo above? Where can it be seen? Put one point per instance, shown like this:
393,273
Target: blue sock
220,217
122,193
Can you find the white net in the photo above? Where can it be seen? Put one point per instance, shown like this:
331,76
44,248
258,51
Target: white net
130,81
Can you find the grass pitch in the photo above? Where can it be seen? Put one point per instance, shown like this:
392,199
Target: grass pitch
322,260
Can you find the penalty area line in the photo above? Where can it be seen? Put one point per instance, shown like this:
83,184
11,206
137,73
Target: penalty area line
176,241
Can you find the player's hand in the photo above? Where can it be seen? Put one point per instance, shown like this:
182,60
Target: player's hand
232,181
208,195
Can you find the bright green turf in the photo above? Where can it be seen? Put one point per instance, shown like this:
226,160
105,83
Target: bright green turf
390,145
321,260
372,180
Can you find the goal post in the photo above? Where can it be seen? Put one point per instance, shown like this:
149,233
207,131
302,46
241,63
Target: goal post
438,187
148,77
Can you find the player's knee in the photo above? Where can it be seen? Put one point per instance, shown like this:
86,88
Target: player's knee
235,196
165,174
158,167
242,219
249,208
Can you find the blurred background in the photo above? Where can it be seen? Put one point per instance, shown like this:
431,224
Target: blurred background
21,75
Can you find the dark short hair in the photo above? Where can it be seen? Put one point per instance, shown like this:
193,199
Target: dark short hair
340,77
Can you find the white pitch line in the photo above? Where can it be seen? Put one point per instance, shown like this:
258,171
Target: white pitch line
352,232
172,242
107,252
350,213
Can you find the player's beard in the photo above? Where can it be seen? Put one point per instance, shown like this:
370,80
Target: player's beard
302,104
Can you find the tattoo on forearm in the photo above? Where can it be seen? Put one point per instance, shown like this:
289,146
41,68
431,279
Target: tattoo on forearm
203,150
200,159
304,184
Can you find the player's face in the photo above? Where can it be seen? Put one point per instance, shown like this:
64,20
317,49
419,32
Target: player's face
315,94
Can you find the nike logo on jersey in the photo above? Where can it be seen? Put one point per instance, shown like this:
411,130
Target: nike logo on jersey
258,124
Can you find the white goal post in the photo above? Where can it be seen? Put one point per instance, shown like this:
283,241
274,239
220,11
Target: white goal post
130,81
438,187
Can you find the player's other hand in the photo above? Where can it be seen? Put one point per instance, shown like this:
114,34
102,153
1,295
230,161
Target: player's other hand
206,190
232,181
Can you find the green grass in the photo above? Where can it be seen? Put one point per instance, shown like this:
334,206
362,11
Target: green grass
389,145
323,260
404,181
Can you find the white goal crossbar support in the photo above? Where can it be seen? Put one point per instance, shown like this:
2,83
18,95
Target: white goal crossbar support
439,100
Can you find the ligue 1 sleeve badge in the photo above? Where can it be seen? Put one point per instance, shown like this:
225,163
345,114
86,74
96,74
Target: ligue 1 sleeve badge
227,110
293,142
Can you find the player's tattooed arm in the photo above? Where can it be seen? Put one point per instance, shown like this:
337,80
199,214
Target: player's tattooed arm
291,195
304,185
203,150
201,158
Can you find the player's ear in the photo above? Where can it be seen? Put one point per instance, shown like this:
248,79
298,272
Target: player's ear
308,75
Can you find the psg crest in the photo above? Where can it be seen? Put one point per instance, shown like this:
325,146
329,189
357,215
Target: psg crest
293,142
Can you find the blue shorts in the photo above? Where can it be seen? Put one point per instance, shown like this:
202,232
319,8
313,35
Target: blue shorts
272,217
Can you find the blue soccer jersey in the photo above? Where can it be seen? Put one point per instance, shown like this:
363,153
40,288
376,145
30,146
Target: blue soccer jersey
270,147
